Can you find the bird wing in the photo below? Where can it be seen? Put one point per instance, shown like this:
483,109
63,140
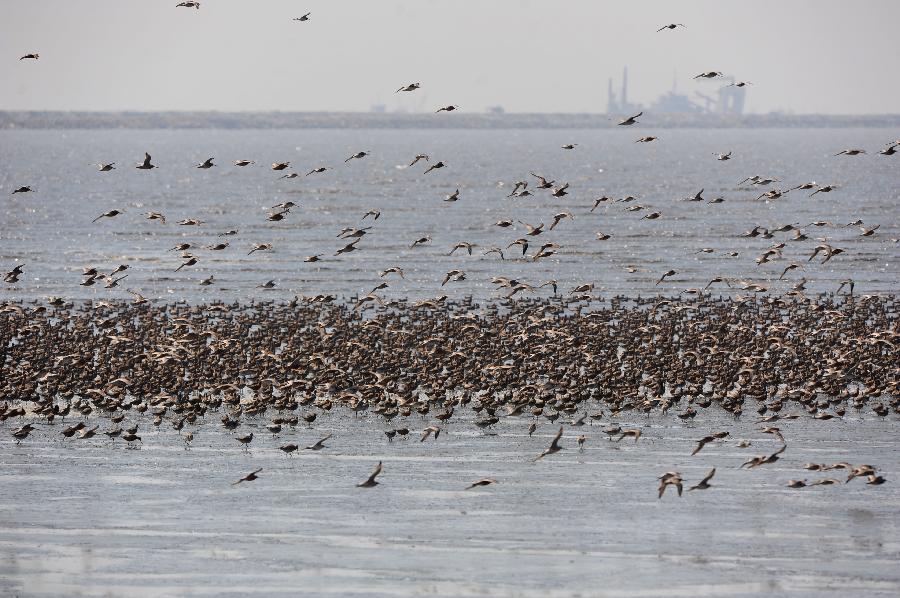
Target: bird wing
555,443
708,477
375,473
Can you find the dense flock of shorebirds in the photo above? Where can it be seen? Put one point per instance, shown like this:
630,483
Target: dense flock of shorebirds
421,367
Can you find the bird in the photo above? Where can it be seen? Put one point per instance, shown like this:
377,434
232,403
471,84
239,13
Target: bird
32,56
244,162
434,166
208,163
280,165
420,241
560,191
25,189
318,170
410,87
824,189
647,139
189,4
669,26
417,158
370,481
631,119
763,459
288,449
245,440
454,275
462,245
481,482
723,157
889,151
109,214
303,18
449,108
106,166
558,217
671,478
569,146
260,247
704,483
357,156
145,165
633,432
453,196
319,444
554,446
428,431
850,152
250,477
739,84
533,231
708,75
666,275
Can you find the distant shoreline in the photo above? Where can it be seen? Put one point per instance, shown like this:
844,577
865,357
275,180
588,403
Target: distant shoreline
11,120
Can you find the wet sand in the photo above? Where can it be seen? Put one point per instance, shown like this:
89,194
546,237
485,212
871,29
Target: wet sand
93,518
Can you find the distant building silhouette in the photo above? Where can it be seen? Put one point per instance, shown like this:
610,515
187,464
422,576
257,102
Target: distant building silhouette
620,104
728,100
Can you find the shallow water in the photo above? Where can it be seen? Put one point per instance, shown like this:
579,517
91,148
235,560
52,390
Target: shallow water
93,518
50,231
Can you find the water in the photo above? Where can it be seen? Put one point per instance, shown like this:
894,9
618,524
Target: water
50,231
92,518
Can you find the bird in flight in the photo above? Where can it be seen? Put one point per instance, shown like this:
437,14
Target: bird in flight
146,165
709,75
248,478
554,446
410,87
850,152
670,26
704,483
671,478
482,482
190,4
357,156
303,18
631,119
449,108
33,56
371,482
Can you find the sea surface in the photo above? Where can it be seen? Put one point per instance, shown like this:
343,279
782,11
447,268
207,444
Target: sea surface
94,518
50,231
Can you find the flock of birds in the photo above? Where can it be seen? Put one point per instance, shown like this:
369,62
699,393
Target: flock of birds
523,362
527,360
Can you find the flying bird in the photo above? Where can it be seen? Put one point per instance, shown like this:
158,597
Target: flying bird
248,478
371,482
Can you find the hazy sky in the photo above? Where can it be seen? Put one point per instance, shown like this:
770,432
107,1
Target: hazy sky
806,56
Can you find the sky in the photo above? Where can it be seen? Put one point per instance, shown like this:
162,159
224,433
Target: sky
802,56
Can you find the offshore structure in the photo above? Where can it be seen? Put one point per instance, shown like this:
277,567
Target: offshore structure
728,100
